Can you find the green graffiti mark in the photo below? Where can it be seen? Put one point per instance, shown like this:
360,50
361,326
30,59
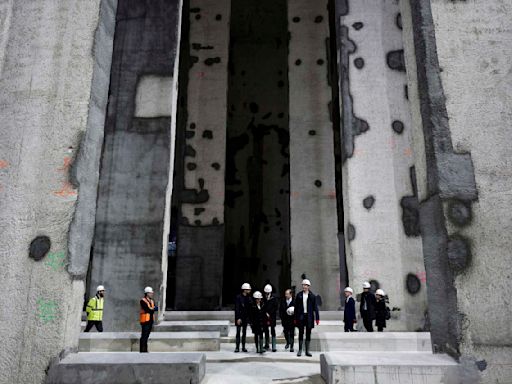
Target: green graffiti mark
56,260
47,310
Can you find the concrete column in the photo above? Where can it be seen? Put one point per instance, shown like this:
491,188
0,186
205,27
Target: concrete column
460,54
200,253
54,68
313,221
383,241
135,184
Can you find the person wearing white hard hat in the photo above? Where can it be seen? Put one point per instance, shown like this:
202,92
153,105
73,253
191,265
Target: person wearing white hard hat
271,303
146,317
243,304
94,310
349,314
258,320
286,312
381,311
306,313
367,307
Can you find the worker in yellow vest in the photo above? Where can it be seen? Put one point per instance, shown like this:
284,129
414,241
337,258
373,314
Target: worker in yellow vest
94,310
147,313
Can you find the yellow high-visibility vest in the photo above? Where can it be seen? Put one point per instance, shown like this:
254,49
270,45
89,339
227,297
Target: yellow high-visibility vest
95,309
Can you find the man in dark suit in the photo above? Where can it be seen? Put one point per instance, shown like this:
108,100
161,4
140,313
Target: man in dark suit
243,304
349,314
367,308
306,313
287,314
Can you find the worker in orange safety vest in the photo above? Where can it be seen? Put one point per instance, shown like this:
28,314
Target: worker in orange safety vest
146,317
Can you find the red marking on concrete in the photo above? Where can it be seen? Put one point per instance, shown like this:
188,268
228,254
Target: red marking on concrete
3,164
67,163
66,190
392,143
331,194
408,152
294,194
200,75
357,152
422,276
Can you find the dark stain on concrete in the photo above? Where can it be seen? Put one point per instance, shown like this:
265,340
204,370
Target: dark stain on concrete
190,151
207,134
459,253
216,166
398,126
412,283
368,202
358,25
351,232
198,211
39,247
410,208
396,60
319,19
359,63
398,21
212,60
459,212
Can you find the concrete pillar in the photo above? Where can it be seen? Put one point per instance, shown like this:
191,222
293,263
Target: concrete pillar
383,240
313,220
130,242
54,70
459,56
200,253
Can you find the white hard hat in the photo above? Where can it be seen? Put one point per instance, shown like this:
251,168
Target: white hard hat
306,282
348,289
366,285
257,295
100,288
268,288
148,290
246,286
290,311
380,292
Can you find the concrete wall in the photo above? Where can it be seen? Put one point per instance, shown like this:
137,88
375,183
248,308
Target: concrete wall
55,63
257,157
463,95
379,181
200,254
134,191
313,215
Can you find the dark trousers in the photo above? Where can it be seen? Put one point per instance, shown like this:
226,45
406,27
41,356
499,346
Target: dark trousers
267,334
146,330
91,323
349,326
289,335
368,323
380,328
242,327
304,324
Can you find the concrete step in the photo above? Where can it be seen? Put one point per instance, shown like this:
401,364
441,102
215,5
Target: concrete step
388,368
128,368
230,315
158,342
221,326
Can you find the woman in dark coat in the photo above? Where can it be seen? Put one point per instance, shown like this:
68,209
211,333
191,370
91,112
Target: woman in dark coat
380,310
286,312
258,320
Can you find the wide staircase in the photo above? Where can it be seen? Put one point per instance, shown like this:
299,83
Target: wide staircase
198,347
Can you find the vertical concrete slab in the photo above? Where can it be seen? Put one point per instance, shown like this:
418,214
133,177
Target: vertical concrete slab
464,90
130,241
383,240
200,253
54,66
313,220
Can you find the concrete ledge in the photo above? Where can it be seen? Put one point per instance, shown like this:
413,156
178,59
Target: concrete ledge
128,368
158,342
221,326
371,341
388,368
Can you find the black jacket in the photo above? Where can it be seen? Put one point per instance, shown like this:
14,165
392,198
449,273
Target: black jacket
370,305
243,308
380,313
312,309
258,318
271,307
286,319
349,315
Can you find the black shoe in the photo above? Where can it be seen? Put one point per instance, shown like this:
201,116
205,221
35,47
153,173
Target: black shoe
244,350
291,349
286,346
307,349
299,353
237,350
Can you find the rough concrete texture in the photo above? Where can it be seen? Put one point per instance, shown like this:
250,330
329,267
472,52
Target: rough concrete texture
128,368
134,190
313,215
200,235
478,87
390,368
54,57
383,241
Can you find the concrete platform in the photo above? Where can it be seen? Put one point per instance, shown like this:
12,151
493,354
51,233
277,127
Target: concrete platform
129,368
221,326
371,341
158,342
388,368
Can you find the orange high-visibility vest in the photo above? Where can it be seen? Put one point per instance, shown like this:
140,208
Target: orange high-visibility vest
144,316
